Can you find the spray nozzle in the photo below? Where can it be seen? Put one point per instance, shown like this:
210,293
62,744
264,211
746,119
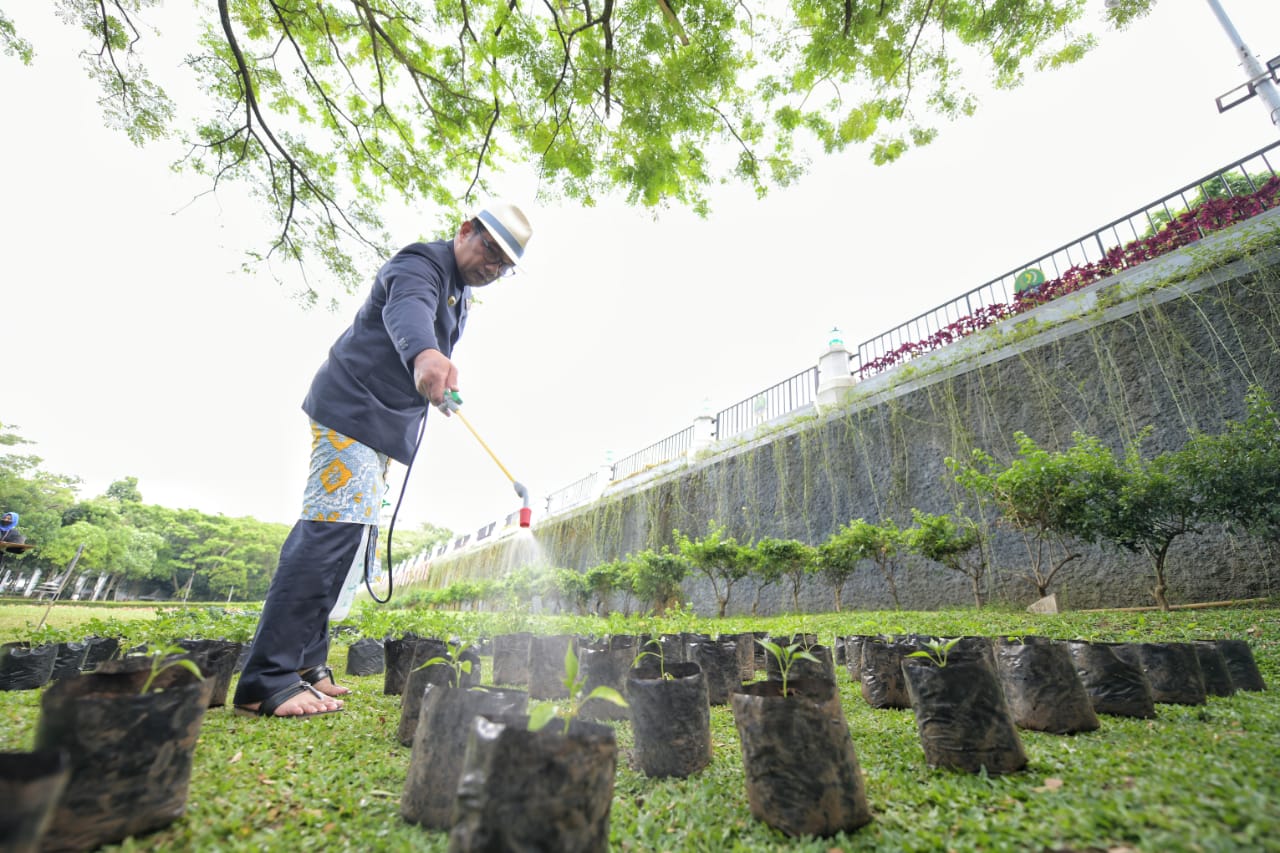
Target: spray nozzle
451,402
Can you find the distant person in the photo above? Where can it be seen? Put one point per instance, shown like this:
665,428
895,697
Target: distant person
367,403
9,533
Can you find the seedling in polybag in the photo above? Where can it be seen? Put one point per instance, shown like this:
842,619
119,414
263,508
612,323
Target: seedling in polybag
787,657
662,665
936,651
577,687
164,658
457,666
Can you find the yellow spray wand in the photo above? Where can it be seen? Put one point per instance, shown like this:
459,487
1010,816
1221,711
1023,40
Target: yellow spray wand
452,404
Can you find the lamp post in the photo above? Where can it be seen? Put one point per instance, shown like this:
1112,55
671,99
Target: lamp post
1260,82
1259,77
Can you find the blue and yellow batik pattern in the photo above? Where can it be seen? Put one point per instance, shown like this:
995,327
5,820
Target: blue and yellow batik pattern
347,479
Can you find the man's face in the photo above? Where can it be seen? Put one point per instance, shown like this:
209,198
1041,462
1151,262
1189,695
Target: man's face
480,260
7,518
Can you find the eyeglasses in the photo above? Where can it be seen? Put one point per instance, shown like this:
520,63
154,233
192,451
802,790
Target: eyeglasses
494,256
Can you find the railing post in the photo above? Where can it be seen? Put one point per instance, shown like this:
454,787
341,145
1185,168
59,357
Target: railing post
834,378
604,476
704,431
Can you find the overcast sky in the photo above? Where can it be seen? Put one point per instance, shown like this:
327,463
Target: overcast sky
134,345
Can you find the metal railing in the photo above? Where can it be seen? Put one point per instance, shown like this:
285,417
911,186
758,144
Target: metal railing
1089,249
801,389
655,454
775,401
573,494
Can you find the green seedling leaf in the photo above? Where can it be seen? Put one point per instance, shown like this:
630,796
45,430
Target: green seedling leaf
570,667
163,658
608,694
540,716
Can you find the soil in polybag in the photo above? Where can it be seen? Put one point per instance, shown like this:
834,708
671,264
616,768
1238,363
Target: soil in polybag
801,770
420,680
605,664
1172,669
69,660
720,667
961,714
883,684
440,744
365,657
1042,688
546,666
217,662
746,643
24,667
670,719
1116,686
30,785
130,752
405,655
100,649
1213,669
535,791
853,656
1241,665
511,658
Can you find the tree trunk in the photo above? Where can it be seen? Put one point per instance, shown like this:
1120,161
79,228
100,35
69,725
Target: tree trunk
893,587
1160,588
837,595
977,590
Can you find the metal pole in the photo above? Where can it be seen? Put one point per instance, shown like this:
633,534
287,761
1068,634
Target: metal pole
1265,87
70,568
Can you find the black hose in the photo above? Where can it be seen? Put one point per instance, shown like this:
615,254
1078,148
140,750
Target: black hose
391,528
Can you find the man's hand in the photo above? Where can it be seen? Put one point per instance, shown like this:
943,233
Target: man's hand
433,374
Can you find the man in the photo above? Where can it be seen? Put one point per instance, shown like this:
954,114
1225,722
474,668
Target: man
366,404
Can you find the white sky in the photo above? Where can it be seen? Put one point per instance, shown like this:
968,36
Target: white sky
133,345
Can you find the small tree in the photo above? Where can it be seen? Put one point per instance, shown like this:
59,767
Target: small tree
656,577
1143,507
955,541
857,541
603,581
779,558
719,557
573,589
1034,495
1238,470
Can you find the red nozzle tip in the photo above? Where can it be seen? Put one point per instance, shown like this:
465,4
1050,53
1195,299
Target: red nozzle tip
526,516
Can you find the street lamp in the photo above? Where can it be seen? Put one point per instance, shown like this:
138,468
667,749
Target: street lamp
1261,82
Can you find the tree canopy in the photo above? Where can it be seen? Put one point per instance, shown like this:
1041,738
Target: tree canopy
326,111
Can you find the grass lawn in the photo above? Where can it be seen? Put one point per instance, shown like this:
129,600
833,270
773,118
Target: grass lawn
1195,778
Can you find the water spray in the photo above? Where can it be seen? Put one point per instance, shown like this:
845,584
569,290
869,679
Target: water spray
452,404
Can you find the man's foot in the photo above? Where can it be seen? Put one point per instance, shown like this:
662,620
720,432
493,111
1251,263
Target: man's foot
321,678
296,700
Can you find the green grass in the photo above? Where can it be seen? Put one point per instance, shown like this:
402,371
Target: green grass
1195,778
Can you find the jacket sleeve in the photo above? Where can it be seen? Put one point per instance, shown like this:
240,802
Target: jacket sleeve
415,286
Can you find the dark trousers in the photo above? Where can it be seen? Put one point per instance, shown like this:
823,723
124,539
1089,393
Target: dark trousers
293,631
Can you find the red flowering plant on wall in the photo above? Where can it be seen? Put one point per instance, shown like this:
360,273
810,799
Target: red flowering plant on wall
1187,227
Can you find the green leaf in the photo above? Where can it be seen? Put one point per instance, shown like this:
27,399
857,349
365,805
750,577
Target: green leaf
540,716
609,695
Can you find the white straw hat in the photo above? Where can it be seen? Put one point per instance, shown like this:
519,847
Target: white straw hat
507,224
